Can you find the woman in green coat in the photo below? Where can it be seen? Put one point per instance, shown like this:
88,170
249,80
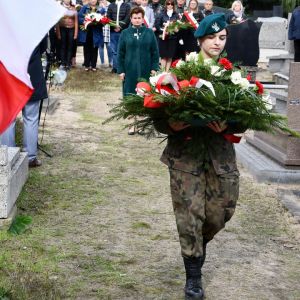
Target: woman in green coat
138,55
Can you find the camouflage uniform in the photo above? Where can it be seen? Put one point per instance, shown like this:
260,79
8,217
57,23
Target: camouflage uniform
204,183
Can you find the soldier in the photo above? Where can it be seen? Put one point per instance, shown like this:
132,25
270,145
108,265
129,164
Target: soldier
204,178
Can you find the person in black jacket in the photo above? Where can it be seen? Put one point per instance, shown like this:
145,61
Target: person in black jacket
294,32
30,111
168,43
120,13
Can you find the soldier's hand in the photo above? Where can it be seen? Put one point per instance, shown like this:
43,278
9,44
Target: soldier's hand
217,126
177,126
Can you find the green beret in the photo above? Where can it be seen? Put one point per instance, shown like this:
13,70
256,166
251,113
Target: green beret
211,24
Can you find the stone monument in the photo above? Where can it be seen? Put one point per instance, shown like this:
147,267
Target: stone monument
282,147
13,175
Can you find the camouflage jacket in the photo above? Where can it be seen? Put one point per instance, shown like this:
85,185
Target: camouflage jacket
191,149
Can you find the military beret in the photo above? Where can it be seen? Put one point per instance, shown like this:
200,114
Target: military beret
211,24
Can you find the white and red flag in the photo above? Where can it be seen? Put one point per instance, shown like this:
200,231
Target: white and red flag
23,24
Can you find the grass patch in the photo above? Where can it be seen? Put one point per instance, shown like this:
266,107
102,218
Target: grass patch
141,225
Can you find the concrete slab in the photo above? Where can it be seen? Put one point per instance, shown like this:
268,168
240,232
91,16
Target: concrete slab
263,168
13,176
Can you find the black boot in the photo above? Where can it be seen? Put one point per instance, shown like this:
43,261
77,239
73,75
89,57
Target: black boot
193,287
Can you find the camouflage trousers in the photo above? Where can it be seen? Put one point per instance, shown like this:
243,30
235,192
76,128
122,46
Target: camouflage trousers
202,205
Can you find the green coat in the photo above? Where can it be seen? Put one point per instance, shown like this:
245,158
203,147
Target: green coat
137,56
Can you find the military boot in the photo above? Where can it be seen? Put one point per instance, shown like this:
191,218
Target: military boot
193,287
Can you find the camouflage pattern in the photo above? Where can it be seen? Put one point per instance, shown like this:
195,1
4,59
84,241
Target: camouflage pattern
204,182
191,149
202,205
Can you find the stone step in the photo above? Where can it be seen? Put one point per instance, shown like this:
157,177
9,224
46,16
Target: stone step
263,168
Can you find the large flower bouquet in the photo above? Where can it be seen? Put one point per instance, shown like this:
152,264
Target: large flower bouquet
96,19
198,91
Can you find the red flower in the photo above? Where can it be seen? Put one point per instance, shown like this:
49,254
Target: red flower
174,63
260,88
105,20
225,63
249,77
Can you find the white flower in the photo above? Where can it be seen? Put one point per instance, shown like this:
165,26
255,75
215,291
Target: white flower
193,56
180,63
208,61
153,79
268,100
236,77
216,71
244,83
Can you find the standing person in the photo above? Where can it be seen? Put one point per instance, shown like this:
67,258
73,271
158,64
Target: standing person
180,48
236,14
91,38
137,53
190,42
157,10
106,36
294,32
30,112
180,8
149,14
208,8
204,184
67,32
167,44
120,13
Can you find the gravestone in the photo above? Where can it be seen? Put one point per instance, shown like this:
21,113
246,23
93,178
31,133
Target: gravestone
281,63
13,175
272,33
282,147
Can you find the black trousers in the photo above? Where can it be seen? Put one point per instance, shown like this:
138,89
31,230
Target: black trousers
90,52
297,50
67,45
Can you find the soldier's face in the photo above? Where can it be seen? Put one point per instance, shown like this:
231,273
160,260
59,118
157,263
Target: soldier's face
137,19
212,45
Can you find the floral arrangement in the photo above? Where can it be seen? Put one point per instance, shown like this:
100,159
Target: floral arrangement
96,19
172,27
198,91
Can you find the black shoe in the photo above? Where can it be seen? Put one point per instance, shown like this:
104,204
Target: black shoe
34,163
193,287
113,70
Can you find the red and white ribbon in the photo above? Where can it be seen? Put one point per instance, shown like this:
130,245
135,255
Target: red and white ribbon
191,19
198,83
146,21
163,82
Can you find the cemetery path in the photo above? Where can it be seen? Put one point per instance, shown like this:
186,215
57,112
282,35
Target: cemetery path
103,226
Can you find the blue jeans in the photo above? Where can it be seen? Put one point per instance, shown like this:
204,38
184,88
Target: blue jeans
30,115
109,53
114,41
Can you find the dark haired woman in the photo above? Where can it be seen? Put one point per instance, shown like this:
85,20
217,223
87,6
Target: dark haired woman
92,37
204,184
137,53
167,43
